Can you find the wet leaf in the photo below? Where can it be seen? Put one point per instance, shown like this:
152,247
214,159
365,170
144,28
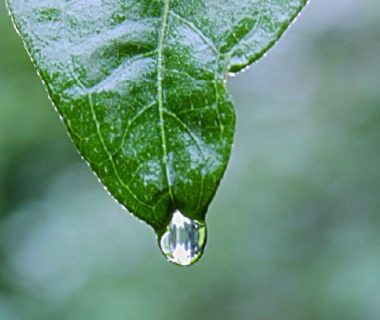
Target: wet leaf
141,88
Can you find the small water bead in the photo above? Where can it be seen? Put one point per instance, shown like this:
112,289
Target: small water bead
184,240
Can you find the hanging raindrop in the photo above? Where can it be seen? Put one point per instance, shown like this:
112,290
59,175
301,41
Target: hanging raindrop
184,240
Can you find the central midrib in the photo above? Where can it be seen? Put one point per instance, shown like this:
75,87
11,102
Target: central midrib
160,67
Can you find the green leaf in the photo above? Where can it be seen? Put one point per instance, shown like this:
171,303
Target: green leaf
141,88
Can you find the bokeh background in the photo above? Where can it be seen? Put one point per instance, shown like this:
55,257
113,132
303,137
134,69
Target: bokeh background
294,231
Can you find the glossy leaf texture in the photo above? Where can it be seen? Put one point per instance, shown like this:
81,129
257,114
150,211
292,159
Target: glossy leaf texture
141,88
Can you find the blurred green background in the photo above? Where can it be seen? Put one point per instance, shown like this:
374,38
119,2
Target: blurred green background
294,231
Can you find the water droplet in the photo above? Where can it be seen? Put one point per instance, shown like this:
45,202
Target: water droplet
184,240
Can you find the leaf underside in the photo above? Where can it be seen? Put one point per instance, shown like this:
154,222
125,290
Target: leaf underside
141,88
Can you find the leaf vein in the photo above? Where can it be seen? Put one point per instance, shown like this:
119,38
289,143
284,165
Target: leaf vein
160,76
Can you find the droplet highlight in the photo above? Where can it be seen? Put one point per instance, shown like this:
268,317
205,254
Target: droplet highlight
184,240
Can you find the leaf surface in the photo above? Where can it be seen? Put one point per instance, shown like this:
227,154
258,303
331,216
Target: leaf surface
141,88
